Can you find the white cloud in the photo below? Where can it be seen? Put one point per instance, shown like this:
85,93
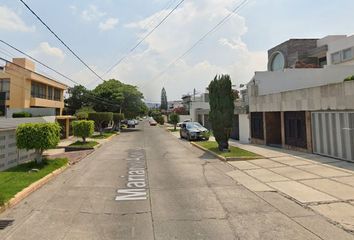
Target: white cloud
92,13
108,24
44,50
222,52
10,21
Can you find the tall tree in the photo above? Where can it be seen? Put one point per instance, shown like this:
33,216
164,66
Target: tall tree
164,103
78,97
221,100
127,97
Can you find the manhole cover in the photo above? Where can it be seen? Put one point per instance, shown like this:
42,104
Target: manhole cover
5,223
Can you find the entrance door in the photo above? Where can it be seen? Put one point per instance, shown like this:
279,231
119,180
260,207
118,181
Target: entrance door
273,128
295,129
235,132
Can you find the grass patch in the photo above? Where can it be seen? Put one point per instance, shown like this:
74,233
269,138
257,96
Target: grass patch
234,151
103,136
15,179
80,144
173,130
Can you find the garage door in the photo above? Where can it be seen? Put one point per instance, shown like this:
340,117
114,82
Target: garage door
333,134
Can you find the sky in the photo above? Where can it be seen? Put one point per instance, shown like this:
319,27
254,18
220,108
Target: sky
103,31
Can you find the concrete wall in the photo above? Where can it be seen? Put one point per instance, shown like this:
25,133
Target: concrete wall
338,96
183,118
34,111
244,128
338,45
6,123
10,156
294,79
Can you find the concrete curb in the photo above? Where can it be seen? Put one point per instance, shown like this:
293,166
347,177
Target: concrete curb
226,159
32,188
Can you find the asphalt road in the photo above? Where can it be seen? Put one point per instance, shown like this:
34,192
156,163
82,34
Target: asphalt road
147,184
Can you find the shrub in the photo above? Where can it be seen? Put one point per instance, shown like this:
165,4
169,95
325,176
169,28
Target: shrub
350,78
83,129
174,119
100,118
117,117
81,115
38,136
159,119
221,100
21,115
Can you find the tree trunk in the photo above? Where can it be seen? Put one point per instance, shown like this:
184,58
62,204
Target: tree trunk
84,139
175,125
39,156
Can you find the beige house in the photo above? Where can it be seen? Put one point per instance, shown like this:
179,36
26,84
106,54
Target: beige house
27,89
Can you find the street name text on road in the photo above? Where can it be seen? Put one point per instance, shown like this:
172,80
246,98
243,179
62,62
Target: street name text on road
136,184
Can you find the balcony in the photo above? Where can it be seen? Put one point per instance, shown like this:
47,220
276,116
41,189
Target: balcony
41,102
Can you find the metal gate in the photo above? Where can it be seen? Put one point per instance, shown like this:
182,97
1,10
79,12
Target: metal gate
333,134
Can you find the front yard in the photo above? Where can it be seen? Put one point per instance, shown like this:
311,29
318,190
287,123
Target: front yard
16,179
86,145
104,135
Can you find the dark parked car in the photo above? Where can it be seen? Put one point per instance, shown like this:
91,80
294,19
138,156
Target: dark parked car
194,131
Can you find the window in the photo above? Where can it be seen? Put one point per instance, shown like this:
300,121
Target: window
347,54
5,87
277,62
38,90
336,58
50,93
57,94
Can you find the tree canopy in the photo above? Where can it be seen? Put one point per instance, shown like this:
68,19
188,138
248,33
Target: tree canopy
109,96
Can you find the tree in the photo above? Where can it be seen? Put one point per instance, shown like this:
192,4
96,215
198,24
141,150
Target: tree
117,117
127,97
100,118
83,129
164,103
159,119
37,136
174,119
79,97
221,109
83,112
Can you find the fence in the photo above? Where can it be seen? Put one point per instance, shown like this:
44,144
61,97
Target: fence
10,156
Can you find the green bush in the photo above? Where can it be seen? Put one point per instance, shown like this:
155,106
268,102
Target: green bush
2,199
83,129
350,78
174,119
81,115
100,118
117,117
159,119
21,115
38,136
221,101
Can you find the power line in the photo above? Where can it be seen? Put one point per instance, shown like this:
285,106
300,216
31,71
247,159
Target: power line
82,61
45,65
220,23
93,97
143,39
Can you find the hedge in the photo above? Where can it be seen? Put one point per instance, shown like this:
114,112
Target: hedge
83,129
21,115
99,118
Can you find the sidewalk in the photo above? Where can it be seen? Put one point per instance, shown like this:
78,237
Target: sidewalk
323,184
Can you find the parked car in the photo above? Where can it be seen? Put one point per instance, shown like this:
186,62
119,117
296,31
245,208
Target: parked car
193,131
180,123
131,124
152,122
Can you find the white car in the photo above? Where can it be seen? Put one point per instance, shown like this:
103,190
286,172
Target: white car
131,124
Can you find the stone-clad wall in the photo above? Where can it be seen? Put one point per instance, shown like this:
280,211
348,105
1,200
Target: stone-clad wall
293,50
10,156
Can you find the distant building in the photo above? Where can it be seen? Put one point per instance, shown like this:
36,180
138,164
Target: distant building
302,102
23,88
